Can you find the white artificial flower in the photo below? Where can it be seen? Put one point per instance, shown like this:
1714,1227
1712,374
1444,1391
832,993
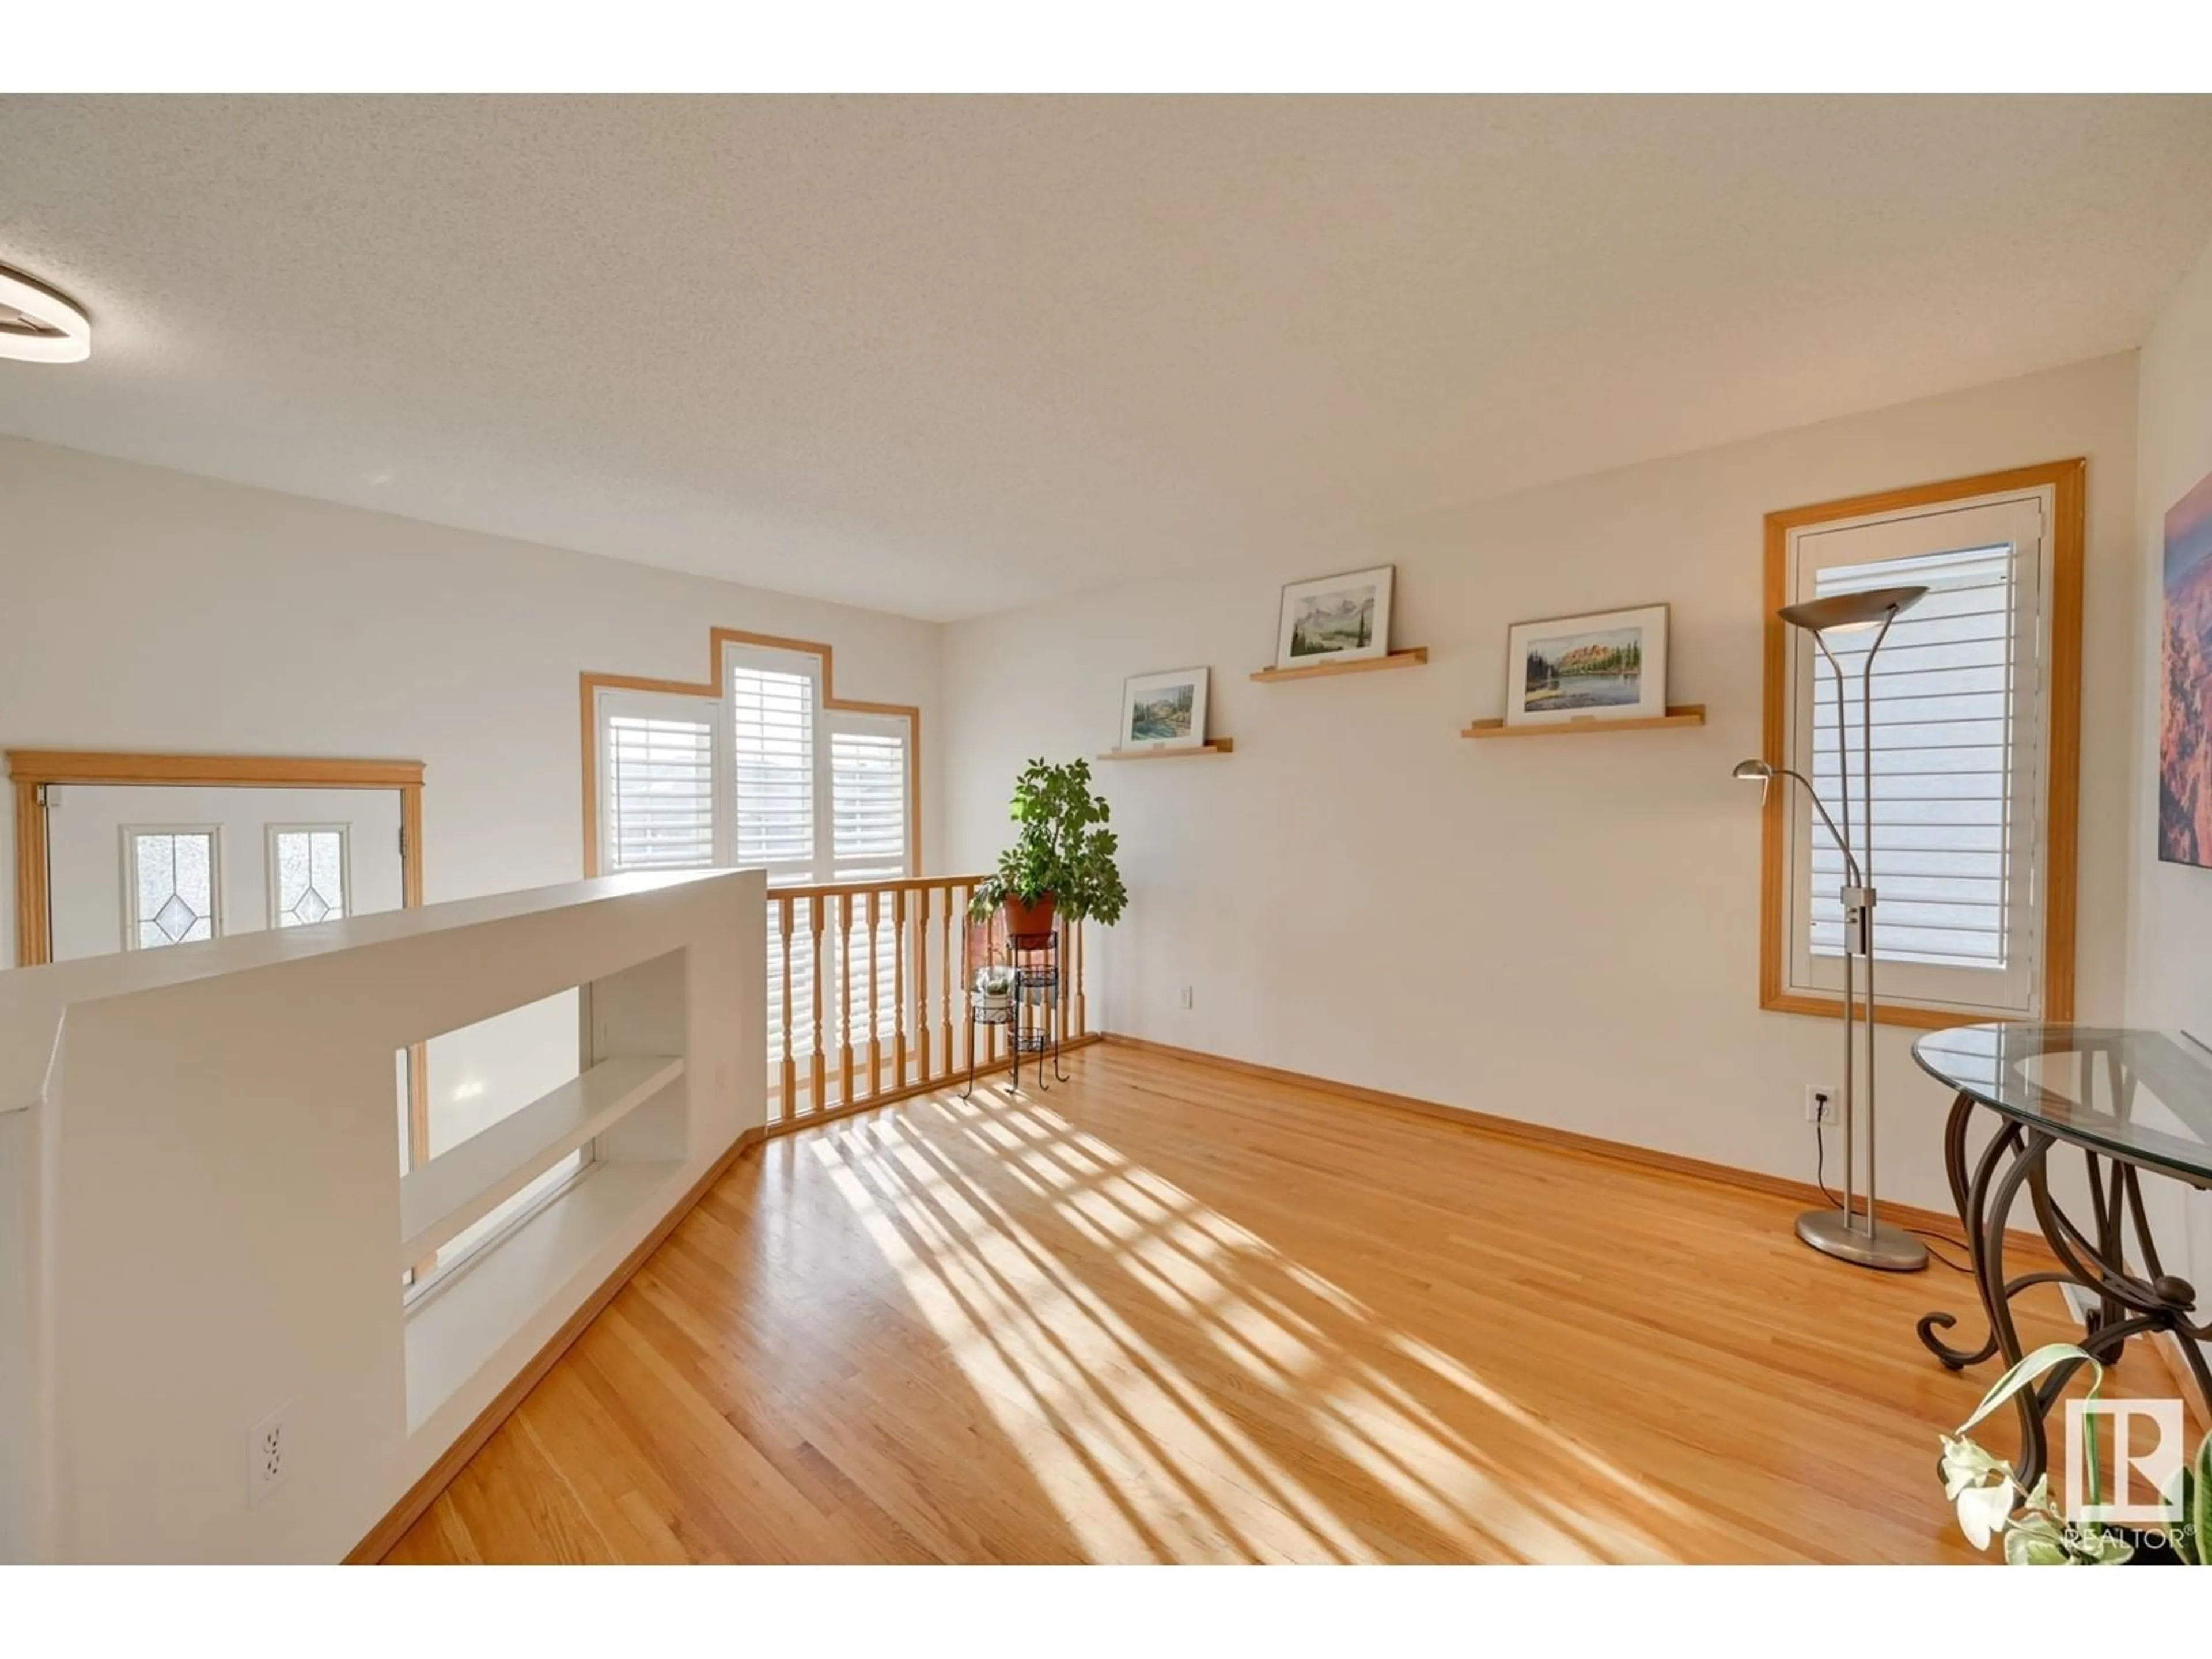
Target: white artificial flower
1965,1464
1983,1512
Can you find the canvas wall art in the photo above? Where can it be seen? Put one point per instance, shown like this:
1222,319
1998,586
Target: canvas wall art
2185,744
1335,619
1165,711
1609,665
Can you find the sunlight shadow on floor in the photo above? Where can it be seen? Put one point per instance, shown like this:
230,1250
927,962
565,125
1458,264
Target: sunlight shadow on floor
1056,1322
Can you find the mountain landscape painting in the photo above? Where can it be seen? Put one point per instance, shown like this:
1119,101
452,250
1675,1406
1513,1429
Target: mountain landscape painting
1584,671
1334,619
1328,622
1609,665
2185,748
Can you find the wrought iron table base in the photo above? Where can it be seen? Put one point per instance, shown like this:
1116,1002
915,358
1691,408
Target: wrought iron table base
2129,1303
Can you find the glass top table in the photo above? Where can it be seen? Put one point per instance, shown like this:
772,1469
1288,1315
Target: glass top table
2139,1096
2131,1102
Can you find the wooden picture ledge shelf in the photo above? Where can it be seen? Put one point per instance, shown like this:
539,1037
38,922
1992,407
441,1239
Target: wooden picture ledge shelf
1211,746
1410,659
1688,714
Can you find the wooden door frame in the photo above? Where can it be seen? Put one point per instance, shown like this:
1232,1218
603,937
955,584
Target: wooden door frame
32,769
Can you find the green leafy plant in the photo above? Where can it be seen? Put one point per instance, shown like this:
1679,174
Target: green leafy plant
1991,1501
1062,847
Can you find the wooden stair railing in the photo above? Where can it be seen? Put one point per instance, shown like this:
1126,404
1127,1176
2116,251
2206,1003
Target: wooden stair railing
868,993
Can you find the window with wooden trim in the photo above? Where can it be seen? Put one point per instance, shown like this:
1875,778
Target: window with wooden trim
1972,710
772,774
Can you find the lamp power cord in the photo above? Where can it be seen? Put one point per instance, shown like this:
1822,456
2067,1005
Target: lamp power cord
1928,1236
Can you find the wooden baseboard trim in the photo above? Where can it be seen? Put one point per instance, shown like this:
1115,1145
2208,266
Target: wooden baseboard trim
893,1096
1568,1141
424,1492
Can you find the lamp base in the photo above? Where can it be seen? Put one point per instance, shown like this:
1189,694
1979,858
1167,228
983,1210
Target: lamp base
1890,1249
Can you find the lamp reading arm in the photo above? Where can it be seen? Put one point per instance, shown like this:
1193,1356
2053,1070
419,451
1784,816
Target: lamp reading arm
1765,773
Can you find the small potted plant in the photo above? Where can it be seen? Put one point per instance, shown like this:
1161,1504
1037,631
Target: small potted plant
1992,1503
1061,862
991,994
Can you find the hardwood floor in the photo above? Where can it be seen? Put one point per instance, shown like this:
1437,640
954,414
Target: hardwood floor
1170,1313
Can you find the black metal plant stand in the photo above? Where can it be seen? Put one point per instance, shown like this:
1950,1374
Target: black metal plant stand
1032,1018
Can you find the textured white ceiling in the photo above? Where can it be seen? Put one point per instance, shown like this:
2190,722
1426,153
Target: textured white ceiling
944,357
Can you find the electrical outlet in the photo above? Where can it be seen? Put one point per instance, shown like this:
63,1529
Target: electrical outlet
1186,996
269,1454
1819,1103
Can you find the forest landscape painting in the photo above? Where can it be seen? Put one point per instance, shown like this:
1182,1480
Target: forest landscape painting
2185,747
1165,711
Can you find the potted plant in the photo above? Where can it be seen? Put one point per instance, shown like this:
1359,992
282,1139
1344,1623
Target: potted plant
1062,861
991,991
1992,1503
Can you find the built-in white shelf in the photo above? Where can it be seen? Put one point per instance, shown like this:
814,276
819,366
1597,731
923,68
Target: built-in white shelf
459,1187
465,1319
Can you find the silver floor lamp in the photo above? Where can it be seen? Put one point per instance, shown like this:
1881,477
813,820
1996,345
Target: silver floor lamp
1842,1231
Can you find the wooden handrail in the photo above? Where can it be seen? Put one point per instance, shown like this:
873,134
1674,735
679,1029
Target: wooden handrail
896,883
868,993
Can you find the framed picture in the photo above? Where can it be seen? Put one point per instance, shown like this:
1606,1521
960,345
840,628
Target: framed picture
1609,666
2184,755
1335,619
1164,711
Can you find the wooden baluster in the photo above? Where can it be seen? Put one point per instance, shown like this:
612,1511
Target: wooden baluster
845,1000
814,961
875,997
898,987
790,1071
949,986
1063,962
1082,1019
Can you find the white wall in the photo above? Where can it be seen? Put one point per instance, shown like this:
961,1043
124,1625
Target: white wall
250,1233
143,609
2170,976
1564,932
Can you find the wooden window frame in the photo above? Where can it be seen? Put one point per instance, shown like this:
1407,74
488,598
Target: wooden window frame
2068,481
716,687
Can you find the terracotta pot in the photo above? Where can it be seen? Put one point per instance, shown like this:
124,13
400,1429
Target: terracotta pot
1026,920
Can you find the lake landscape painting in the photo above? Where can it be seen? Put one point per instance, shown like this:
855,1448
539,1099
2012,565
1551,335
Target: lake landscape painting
1610,665
1335,618
1165,710
2185,746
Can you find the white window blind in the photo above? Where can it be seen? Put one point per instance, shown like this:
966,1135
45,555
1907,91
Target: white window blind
773,713
1960,755
658,784
868,797
1943,762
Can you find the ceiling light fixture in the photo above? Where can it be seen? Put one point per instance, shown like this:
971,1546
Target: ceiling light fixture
37,325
